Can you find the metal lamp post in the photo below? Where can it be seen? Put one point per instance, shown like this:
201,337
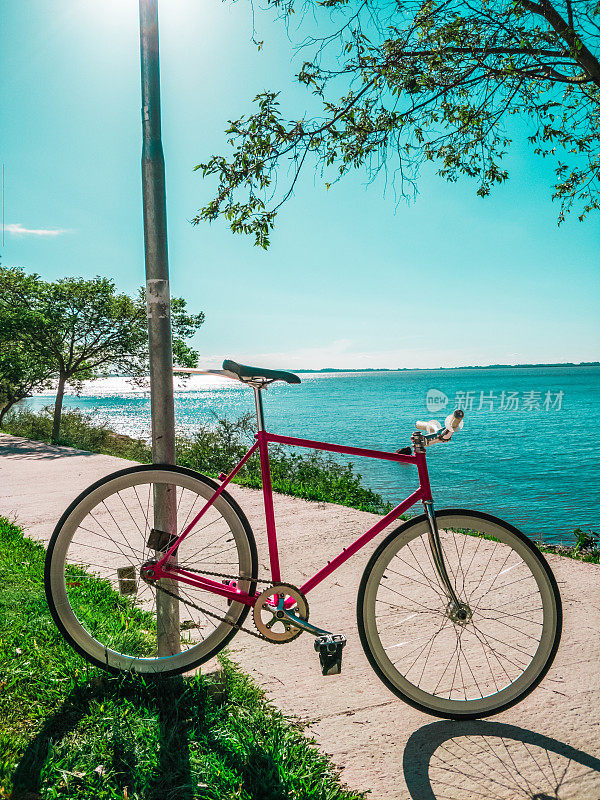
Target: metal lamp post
159,310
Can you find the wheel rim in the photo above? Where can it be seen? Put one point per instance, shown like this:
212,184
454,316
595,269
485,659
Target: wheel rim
95,564
455,666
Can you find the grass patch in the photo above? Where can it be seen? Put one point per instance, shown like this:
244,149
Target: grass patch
214,449
68,730
586,547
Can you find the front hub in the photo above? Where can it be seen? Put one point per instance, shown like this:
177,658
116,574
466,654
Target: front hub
459,613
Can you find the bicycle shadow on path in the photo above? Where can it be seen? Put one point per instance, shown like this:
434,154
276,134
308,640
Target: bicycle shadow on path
495,760
180,712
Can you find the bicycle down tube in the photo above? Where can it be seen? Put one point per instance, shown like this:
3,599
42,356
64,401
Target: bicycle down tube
263,439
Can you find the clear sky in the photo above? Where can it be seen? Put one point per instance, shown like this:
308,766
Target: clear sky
352,279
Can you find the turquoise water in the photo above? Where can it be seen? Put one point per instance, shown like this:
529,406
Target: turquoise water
536,464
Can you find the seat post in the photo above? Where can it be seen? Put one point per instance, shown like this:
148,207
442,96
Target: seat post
260,420
266,486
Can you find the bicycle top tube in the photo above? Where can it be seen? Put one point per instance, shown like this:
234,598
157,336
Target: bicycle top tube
384,455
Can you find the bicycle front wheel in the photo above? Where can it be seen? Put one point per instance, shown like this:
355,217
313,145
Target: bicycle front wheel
96,595
467,662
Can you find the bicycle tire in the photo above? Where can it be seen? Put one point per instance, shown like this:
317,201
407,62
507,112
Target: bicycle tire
83,561
403,564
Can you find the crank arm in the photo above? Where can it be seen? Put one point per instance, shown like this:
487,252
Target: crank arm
304,625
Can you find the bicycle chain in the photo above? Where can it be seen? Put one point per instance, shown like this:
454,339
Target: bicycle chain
231,577
235,626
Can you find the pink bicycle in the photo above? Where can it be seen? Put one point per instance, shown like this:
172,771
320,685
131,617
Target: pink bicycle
458,613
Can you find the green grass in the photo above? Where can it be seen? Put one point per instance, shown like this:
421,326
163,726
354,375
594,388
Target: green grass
586,547
68,730
217,448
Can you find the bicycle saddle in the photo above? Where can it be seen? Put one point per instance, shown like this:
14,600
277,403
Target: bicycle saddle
245,372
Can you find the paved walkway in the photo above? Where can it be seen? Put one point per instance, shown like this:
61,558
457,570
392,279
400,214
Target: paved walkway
546,747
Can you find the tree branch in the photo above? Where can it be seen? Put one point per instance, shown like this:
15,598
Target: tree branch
578,50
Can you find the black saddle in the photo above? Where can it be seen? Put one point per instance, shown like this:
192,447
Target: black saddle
246,373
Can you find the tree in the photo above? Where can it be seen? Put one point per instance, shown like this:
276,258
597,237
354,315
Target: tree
400,82
84,329
21,375
22,372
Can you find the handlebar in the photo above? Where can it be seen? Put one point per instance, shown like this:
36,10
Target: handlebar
434,432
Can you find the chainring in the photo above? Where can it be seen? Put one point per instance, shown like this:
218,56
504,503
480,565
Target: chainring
264,613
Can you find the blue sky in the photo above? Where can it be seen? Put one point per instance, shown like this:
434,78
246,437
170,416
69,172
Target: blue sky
352,279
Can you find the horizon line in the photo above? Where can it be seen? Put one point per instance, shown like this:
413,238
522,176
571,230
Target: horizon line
460,366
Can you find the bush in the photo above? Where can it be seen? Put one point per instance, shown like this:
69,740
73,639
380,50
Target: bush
313,475
77,429
216,448
586,541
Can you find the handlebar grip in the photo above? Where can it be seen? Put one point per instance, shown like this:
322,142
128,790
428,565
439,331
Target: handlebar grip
430,426
454,421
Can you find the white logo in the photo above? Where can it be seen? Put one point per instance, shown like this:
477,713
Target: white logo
435,400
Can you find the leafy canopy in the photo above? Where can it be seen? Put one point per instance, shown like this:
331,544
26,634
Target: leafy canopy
22,370
75,329
85,328
400,82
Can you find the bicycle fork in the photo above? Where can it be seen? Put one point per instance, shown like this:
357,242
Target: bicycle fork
437,552
456,610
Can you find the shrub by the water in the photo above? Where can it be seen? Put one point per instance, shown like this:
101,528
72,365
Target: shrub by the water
312,475
213,449
586,547
217,448
77,429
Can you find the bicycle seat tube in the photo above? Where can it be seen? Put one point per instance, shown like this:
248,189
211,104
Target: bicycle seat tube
266,482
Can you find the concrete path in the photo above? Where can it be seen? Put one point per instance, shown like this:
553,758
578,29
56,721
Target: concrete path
547,747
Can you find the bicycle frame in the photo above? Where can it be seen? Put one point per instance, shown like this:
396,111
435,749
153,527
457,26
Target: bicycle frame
165,570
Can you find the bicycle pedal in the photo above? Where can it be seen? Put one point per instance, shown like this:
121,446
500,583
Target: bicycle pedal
329,648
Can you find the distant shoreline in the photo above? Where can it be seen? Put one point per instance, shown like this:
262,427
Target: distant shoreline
334,370
435,369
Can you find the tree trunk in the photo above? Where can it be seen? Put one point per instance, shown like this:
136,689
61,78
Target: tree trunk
3,411
58,408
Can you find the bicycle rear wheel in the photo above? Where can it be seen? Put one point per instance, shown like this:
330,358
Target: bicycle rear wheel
422,648
92,574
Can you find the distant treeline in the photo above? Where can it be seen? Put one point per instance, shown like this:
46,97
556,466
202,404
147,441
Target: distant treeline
475,366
